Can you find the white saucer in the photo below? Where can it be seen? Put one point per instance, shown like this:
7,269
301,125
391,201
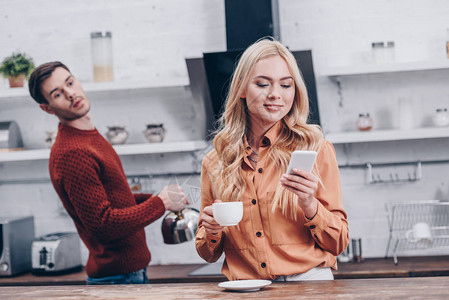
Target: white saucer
244,285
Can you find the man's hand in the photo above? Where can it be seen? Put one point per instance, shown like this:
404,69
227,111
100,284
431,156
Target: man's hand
173,197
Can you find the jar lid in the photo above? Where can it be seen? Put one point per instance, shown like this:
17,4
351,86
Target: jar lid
386,44
116,127
155,125
377,45
100,34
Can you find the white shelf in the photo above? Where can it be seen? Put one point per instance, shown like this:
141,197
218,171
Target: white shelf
130,149
25,155
385,68
155,148
101,87
387,135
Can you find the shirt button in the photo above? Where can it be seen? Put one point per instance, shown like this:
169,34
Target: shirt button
258,234
312,226
260,170
263,265
213,241
254,201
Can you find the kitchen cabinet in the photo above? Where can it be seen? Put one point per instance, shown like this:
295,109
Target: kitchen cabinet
336,73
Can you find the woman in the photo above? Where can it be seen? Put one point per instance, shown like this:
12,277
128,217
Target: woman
294,225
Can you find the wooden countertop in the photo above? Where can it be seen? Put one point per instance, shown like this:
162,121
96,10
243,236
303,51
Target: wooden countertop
378,288
370,268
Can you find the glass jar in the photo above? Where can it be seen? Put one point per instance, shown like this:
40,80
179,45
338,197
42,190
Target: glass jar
101,46
383,52
441,117
357,250
364,122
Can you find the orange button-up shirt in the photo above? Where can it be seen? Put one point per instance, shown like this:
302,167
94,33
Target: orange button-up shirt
266,244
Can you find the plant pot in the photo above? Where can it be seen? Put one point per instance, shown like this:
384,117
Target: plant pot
17,81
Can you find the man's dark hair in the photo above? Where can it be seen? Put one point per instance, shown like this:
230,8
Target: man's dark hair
38,76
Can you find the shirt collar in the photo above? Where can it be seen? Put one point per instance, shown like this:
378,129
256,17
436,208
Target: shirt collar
269,137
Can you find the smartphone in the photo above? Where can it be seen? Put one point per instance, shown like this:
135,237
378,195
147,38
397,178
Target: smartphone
303,160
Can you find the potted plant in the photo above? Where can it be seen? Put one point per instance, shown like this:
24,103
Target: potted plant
16,68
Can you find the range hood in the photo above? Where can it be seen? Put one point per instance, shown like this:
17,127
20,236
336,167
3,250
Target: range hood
248,21
245,24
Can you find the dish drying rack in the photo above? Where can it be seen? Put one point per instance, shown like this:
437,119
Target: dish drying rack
402,216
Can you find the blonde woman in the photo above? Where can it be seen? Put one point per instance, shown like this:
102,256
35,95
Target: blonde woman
293,226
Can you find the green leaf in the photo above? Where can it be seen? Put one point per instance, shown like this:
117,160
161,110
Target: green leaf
16,64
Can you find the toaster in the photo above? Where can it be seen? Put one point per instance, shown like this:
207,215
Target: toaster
56,253
16,237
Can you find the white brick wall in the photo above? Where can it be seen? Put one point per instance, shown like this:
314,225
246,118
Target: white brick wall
151,40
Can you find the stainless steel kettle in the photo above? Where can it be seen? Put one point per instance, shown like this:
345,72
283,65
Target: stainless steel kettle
180,226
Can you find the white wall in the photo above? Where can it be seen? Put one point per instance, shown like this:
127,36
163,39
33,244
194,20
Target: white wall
341,34
151,40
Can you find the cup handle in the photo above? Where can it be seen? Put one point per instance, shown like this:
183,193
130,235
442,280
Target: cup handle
409,236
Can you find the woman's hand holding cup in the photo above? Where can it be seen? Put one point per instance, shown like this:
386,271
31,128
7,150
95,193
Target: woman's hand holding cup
209,223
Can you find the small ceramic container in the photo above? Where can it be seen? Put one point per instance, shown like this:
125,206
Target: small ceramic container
117,134
364,122
441,117
155,133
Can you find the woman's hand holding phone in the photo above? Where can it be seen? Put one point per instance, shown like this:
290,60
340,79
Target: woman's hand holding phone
301,181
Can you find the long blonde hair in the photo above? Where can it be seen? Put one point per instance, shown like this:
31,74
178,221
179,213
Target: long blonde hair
295,133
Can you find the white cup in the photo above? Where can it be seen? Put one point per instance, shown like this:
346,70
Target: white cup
228,213
420,235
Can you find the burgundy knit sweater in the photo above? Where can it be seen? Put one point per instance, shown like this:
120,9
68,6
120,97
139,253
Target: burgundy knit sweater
88,176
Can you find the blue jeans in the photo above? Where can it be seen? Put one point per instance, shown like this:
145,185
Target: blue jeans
138,277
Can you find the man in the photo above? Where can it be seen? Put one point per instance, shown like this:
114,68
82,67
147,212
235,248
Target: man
88,176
